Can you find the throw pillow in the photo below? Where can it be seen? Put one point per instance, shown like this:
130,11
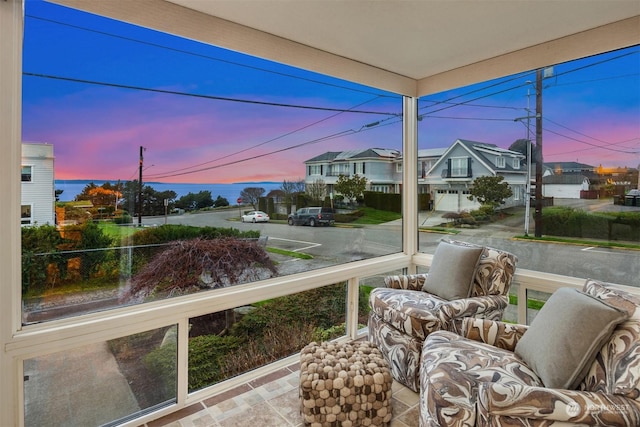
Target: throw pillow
452,270
564,338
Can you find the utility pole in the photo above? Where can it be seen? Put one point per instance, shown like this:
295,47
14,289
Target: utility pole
528,117
527,207
538,211
140,188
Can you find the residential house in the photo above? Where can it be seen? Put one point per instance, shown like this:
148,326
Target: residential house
37,205
565,186
451,177
382,167
568,167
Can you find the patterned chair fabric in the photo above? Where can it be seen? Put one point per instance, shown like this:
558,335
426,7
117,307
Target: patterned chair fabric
477,380
402,315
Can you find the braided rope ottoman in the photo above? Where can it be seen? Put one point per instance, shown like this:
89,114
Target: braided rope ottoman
344,385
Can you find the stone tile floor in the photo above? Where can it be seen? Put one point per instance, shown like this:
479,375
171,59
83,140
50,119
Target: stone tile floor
272,401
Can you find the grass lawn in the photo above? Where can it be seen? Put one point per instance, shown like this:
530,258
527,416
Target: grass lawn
374,216
118,231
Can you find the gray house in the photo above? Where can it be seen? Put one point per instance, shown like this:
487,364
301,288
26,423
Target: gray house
382,168
565,186
446,173
450,179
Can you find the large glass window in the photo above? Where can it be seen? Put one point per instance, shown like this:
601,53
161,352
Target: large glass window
163,146
583,159
103,383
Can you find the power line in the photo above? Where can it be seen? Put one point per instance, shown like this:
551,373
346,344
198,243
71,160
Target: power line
474,105
575,131
518,76
210,97
592,148
489,119
314,141
164,174
588,143
624,76
212,58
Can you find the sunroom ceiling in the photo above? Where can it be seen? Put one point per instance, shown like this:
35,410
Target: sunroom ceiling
401,45
418,38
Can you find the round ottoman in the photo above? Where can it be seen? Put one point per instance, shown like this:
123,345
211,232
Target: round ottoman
344,385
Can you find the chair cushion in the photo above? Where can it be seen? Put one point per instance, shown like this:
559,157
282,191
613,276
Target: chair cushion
564,338
413,312
615,369
452,369
452,270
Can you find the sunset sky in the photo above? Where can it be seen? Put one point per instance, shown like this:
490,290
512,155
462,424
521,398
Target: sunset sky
98,90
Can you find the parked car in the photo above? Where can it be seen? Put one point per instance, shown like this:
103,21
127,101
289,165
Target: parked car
311,216
255,216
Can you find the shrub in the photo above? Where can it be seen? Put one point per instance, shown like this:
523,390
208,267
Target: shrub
321,307
123,219
569,222
162,362
207,356
349,217
40,248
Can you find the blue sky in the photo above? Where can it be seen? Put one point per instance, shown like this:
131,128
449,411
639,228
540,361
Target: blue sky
98,89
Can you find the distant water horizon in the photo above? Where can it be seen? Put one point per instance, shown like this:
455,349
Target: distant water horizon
72,187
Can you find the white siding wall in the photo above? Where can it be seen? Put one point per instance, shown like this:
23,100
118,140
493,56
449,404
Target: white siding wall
562,191
39,193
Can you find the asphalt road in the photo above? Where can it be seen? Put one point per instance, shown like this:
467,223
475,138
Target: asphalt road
334,245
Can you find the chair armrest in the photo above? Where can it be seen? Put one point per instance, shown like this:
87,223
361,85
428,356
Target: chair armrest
489,306
516,400
493,332
410,282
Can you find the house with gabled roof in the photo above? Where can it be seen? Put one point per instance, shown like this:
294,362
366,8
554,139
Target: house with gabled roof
565,185
569,167
382,167
451,177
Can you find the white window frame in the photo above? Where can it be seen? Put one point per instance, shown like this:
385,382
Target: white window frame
22,174
515,163
26,220
315,170
459,167
500,162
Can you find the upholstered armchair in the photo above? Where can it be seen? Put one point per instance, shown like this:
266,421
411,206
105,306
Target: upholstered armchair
464,280
577,364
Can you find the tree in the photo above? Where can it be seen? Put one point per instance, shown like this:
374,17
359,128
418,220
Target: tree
193,201
152,200
316,191
520,146
220,202
490,191
290,189
188,266
251,195
101,196
93,244
351,188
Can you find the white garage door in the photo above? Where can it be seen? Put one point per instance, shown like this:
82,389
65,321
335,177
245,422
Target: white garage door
447,201
454,201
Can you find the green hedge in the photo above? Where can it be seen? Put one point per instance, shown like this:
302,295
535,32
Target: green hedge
383,201
570,222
